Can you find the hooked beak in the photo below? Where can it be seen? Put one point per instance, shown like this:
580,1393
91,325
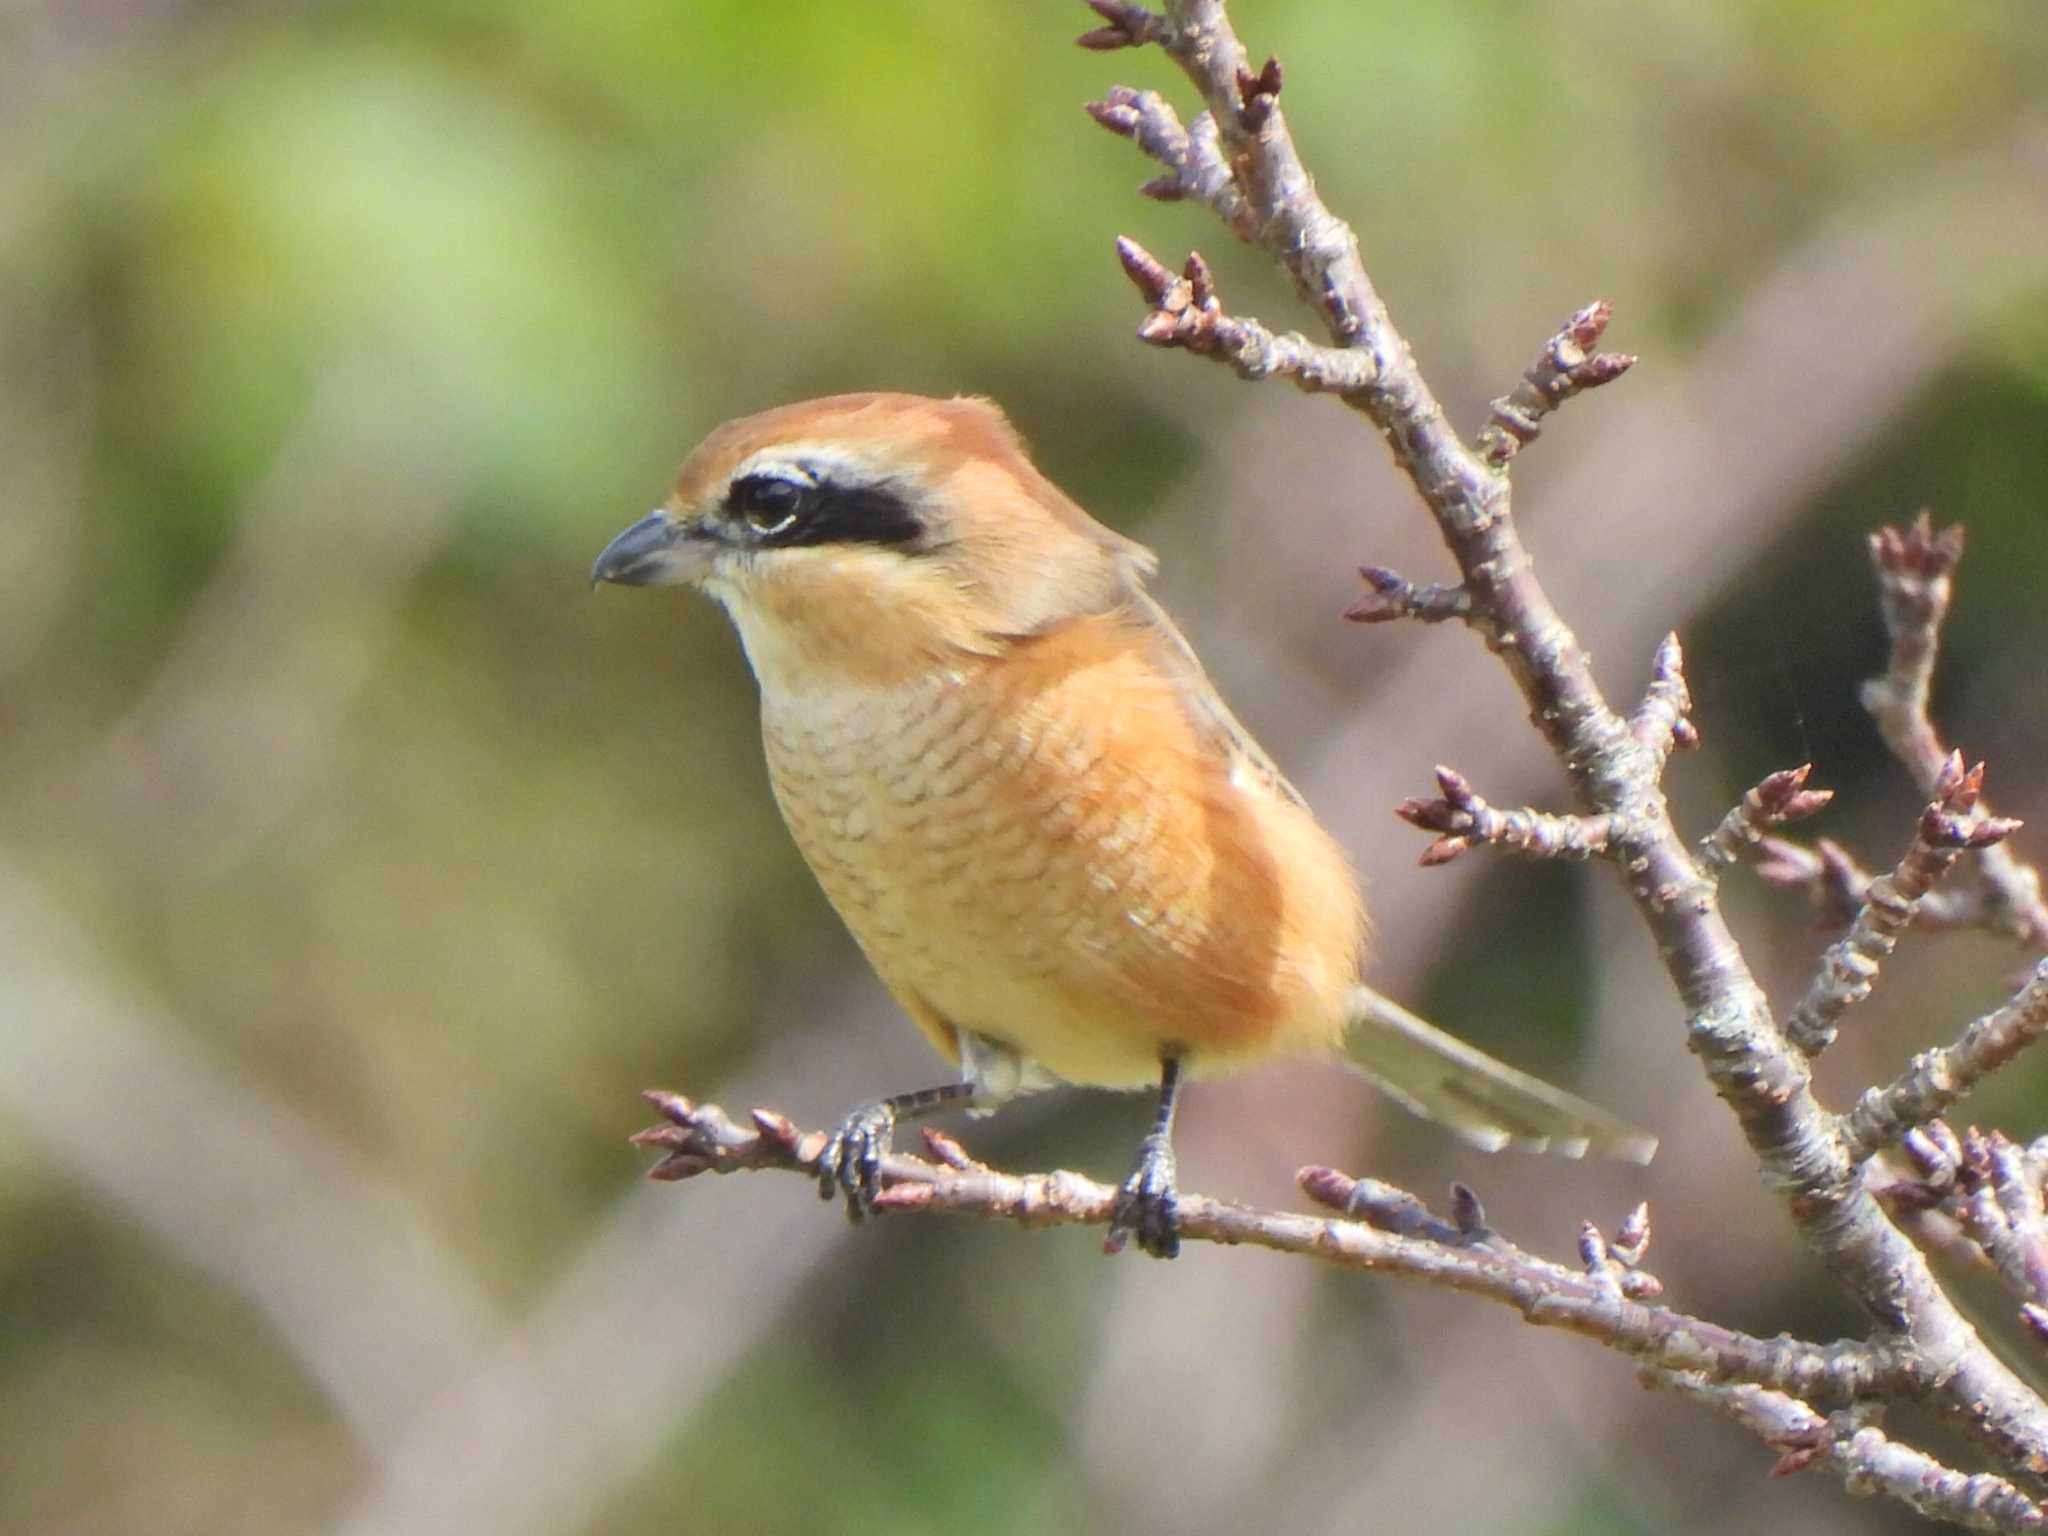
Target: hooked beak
654,552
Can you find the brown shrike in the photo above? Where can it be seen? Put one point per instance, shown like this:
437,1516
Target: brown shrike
1059,849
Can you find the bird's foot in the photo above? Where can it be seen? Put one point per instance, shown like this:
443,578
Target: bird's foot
851,1164
1148,1205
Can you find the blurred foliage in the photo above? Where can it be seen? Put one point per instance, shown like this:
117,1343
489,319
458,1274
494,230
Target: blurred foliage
336,338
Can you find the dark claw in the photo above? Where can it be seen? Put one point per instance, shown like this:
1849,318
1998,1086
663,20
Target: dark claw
852,1160
1148,1206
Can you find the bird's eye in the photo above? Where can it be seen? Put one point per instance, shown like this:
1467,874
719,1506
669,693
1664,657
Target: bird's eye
767,503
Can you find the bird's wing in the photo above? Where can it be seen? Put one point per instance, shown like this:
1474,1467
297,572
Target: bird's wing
1199,697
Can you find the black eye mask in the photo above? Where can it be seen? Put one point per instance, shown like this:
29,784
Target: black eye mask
785,513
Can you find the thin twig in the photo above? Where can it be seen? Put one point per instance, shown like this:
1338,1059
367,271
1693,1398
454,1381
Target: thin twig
1464,819
1393,596
1186,313
1566,367
1948,827
1192,155
1939,1078
1661,723
1780,798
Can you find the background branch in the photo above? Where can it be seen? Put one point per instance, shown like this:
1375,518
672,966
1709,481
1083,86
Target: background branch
1866,1459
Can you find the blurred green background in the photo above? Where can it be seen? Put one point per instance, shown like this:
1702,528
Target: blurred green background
357,865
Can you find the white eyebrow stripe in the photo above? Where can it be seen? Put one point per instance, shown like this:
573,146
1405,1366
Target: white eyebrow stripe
811,463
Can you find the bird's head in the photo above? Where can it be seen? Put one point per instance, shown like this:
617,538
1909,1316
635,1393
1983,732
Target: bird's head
875,535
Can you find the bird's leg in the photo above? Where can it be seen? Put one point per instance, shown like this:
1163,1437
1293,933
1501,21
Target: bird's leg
1148,1206
852,1161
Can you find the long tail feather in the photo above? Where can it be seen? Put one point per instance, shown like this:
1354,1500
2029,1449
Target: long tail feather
1487,1102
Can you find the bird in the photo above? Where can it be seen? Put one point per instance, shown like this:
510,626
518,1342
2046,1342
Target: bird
1058,848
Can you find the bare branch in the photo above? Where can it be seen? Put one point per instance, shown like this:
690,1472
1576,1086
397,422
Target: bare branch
1937,1079
1465,819
1396,1234
1947,828
1567,366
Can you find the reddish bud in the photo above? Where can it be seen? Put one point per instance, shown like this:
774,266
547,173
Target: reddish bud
903,1197
1592,1248
1144,269
672,1106
946,1150
1158,328
1796,1460
1374,608
678,1166
1118,117
1326,1186
1467,1214
1585,327
1806,803
1603,368
1781,863
1456,787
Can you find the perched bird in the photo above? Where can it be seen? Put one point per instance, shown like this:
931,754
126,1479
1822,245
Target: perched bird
1059,849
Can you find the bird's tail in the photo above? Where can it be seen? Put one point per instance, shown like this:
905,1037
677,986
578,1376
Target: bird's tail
1485,1101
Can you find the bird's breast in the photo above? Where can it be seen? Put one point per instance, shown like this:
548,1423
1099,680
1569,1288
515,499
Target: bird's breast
1042,850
